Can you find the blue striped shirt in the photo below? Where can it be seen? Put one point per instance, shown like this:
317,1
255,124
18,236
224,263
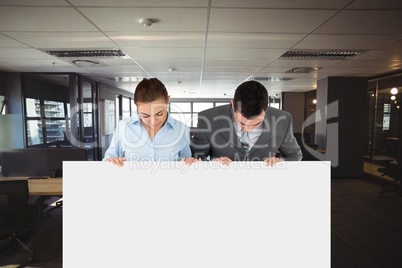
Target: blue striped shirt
171,142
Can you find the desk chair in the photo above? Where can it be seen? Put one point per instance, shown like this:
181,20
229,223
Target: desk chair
395,172
304,140
14,196
57,205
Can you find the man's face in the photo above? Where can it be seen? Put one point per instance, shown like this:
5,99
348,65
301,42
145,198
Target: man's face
248,125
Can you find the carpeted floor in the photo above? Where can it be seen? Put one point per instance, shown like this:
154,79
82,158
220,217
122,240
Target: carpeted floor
44,237
366,229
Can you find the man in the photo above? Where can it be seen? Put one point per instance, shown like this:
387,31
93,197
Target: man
245,130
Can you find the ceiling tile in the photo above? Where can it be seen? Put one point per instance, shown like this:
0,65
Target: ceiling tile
43,19
324,41
56,3
364,22
243,53
345,71
367,63
375,4
116,70
243,63
313,4
139,3
114,62
232,69
36,63
396,45
168,19
64,40
146,53
168,63
60,69
387,55
252,40
9,68
157,39
23,53
302,63
9,42
266,20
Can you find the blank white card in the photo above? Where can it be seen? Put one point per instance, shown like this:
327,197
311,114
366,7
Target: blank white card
167,214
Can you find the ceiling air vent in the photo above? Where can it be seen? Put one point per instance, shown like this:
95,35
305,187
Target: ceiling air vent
98,53
321,54
271,79
302,70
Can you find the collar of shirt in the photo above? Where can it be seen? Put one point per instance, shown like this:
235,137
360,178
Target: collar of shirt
252,136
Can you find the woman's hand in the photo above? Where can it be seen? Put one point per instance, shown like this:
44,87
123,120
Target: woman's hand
119,161
190,160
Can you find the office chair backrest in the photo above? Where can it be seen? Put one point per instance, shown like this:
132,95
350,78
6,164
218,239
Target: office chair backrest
14,196
13,193
38,161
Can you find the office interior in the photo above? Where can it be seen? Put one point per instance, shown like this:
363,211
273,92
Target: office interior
69,110
55,94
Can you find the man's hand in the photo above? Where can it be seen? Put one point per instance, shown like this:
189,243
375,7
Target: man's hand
272,160
223,160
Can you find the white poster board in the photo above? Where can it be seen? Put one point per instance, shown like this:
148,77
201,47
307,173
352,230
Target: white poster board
167,214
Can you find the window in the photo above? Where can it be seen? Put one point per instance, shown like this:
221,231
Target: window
133,107
386,116
46,121
181,111
126,109
201,106
274,102
187,111
2,105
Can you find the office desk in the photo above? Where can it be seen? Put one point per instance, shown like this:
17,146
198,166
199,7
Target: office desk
48,187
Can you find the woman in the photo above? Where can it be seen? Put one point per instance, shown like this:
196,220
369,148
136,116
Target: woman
152,135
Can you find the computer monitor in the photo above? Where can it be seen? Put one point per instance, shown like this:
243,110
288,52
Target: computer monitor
38,161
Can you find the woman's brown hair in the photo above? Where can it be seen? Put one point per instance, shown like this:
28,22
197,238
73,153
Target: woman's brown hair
149,90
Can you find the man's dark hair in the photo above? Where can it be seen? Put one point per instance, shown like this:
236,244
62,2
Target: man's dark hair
149,90
250,99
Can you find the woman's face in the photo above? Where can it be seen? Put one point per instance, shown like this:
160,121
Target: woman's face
153,114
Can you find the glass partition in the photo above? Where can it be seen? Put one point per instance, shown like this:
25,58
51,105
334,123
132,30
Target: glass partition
384,120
